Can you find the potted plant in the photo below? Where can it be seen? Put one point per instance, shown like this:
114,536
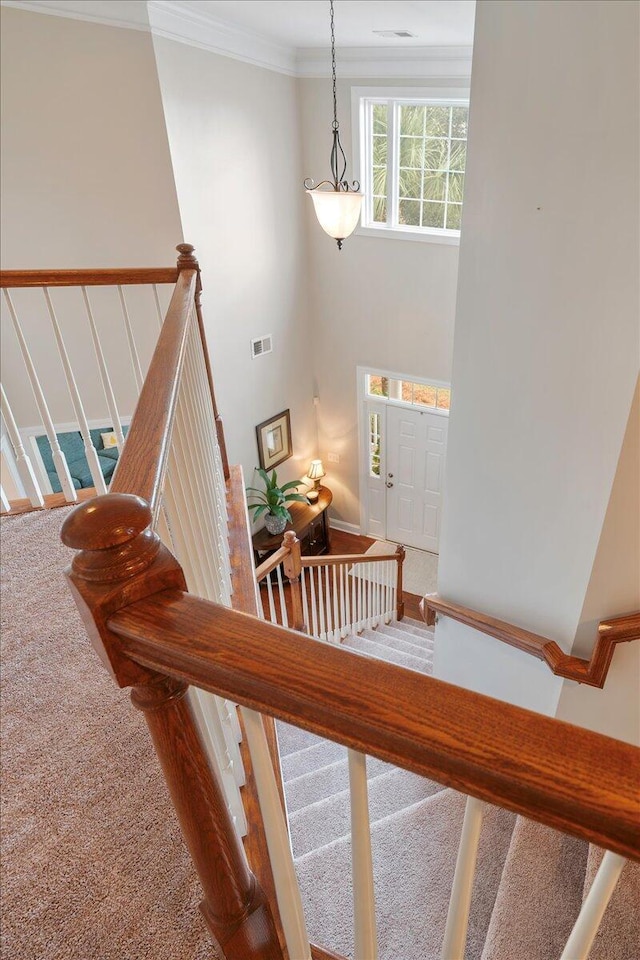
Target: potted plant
271,501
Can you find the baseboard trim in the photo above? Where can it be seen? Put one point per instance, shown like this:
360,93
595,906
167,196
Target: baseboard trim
346,527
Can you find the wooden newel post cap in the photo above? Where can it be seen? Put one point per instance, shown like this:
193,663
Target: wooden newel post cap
289,538
114,536
186,260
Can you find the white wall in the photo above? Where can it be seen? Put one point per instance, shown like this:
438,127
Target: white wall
235,144
386,303
547,339
614,589
86,182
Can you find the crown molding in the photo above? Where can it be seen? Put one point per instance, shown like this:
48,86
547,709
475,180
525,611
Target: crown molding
437,63
184,22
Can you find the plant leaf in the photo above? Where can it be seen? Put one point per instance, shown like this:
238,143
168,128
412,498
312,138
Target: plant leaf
291,485
298,497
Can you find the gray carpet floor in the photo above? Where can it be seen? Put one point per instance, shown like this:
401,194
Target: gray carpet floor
93,865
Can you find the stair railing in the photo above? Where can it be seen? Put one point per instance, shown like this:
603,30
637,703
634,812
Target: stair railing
331,597
592,672
61,300
174,647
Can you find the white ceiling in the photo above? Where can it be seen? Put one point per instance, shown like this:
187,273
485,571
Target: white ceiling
305,23
293,36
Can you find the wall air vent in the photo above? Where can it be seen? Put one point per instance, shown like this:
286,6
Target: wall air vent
395,34
261,345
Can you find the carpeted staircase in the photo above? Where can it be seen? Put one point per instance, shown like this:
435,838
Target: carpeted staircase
415,830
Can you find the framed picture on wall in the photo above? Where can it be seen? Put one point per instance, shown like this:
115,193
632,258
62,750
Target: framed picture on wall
274,440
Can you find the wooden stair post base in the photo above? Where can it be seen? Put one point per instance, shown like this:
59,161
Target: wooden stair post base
121,560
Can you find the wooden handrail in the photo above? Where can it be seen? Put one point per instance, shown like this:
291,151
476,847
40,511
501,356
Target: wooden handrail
348,558
142,464
271,563
564,776
87,278
592,672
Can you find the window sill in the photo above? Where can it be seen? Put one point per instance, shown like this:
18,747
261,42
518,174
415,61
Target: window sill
406,233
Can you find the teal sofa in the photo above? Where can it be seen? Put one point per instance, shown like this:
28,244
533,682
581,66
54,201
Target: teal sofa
72,446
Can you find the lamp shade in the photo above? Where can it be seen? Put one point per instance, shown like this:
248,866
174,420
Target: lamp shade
337,211
316,470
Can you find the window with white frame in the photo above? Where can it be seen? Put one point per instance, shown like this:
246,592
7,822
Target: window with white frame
413,156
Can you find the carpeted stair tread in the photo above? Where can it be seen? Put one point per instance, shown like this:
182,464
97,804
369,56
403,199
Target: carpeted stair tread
311,758
418,627
414,855
381,652
291,739
619,933
329,819
398,640
325,781
551,864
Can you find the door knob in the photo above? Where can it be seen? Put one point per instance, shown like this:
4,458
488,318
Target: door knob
389,484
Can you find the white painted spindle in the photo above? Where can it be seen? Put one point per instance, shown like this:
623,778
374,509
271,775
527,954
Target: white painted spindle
89,450
59,459
213,736
323,629
272,606
23,462
278,843
104,374
133,350
305,599
284,619
6,506
336,607
364,906
455,936
314,605
586,927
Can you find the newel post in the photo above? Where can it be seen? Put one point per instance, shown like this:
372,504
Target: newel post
400,555
188,261
293,568
121,561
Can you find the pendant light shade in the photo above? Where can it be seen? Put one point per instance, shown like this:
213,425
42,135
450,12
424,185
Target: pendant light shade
338,206
337,211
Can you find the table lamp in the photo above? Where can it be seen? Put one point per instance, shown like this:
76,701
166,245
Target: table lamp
315,472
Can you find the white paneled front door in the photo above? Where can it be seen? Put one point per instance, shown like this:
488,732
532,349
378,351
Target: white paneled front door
416,443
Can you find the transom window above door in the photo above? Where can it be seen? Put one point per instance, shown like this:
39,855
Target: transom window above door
412,158
419,394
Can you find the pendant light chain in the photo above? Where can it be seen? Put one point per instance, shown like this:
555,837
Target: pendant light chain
333,69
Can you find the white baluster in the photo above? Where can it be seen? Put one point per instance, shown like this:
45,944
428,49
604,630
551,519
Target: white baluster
104,374
336,607
89,449
213,737
314,605
164,531
586,927
6,506
364,906
330,630
157,302
272,606
343,602
305,600
354,597
323,629
135,360
284,619
455,935
278,843
228,716
59,459
23,462
179,501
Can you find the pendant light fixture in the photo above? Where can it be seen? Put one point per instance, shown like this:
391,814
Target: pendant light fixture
338,205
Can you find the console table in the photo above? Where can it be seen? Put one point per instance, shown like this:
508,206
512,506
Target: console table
309,521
